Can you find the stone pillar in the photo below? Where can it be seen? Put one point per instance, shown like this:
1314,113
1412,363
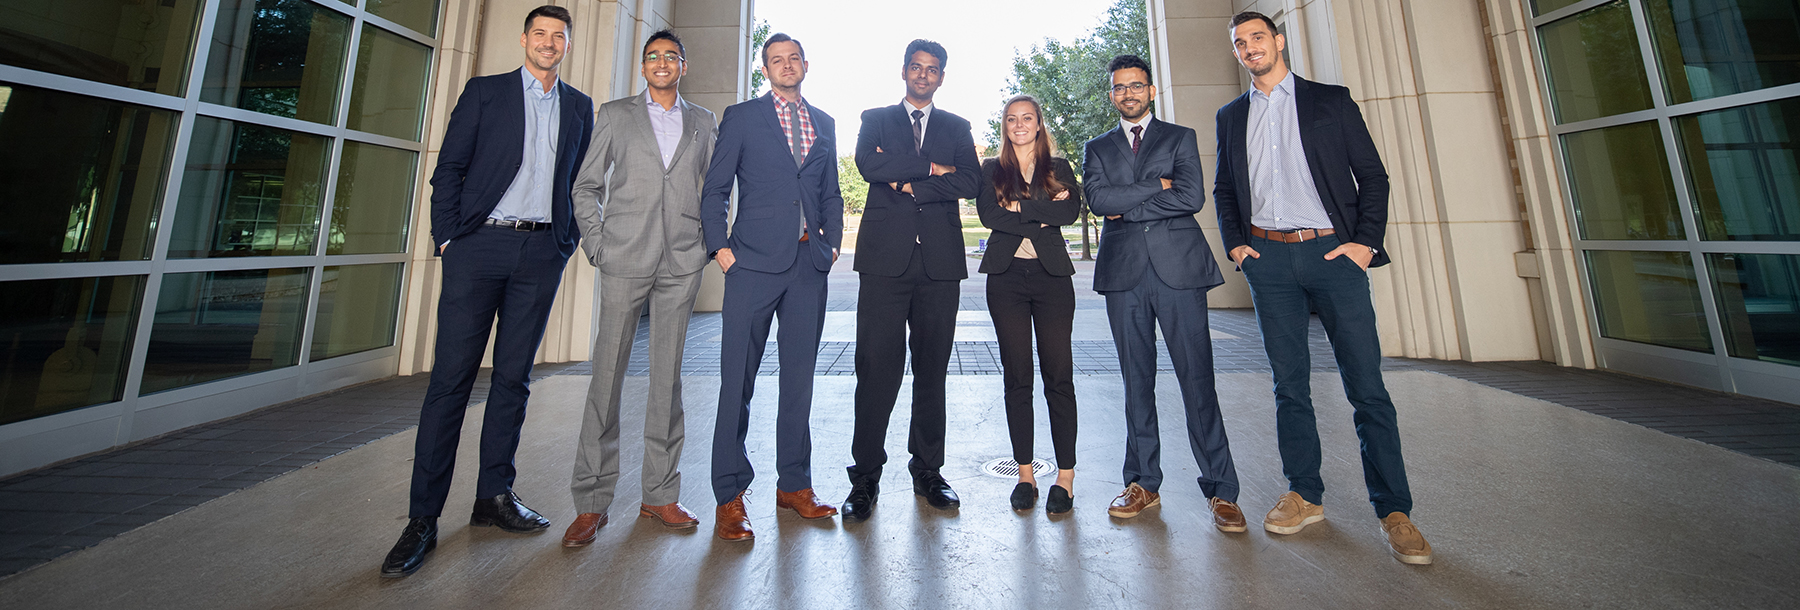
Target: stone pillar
717,36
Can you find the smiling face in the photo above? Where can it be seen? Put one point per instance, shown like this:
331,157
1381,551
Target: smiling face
1021,123
1257,47
1132,104
545,42
783,65
663,65
923,74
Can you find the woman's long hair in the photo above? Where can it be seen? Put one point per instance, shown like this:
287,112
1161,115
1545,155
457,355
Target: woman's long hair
1009,185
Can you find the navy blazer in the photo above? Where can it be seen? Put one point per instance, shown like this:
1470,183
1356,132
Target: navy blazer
773,194
1346,168
1157,225
931,216
483,147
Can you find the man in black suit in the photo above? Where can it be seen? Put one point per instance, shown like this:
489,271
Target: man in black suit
1155,267
503,223
919,161
1302,203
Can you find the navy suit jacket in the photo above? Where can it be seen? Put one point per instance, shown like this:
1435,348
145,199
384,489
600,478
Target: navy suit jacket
484,145
931,216
1346,168
1157,225
773,194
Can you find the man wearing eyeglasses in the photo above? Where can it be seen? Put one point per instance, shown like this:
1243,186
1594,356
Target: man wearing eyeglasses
642,229
1155,267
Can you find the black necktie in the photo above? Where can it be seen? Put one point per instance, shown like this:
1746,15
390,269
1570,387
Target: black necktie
918,131
1137,137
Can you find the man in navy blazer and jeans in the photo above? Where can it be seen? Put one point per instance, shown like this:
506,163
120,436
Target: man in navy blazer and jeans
502,222
1302,204
781,153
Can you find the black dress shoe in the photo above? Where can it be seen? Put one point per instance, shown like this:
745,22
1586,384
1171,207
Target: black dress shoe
1059,501
506,512
936,491
1024,496
419,537
863,491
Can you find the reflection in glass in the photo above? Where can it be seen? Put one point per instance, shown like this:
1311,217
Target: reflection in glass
281,57
1709,48
1594,65
64,344
129,43
81,178
420,15
224,324
1544,6
249,191
374,200
357,305
388,96
1744,164
1649,297
1620,179
1759,301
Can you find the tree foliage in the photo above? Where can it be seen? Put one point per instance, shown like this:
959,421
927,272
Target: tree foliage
850,181
1070,79
757,37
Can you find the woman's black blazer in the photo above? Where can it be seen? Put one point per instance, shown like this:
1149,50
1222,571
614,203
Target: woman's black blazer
1011,227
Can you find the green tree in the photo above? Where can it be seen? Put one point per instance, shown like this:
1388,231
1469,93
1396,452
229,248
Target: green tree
850,181
757,37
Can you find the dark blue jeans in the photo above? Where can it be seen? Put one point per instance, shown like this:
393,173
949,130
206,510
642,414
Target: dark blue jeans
1282,282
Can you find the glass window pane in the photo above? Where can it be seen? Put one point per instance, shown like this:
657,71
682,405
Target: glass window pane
357,305
224,324
1540,7
129,43
388,96
249,191
1709,48
281,57
1744,165
65,343
81,178
374,200
1649,297
420,15
1594,64
1759,299
1620,179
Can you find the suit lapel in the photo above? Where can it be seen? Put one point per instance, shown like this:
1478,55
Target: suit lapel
821,139
1305,111
933,137
690,128
1153,135
570,118
1237,137
640,115
512,105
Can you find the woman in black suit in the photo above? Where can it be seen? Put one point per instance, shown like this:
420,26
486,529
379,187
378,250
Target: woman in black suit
1026,197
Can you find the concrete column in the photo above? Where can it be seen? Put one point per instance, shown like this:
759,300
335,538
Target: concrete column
717,36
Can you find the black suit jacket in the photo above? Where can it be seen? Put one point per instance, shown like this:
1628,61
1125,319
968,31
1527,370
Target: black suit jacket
893,221
484,144
1013,228
1346,168
774,194
1157,225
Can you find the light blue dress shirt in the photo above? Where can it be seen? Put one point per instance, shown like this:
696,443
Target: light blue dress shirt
666,126
1282,194
528,198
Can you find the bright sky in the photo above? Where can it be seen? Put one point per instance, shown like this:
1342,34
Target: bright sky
855,55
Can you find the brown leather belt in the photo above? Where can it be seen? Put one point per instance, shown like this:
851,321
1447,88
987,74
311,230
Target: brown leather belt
1291,237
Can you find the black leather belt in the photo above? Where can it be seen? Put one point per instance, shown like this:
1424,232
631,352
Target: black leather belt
519,225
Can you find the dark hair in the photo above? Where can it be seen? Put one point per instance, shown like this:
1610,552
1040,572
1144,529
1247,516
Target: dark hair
669,36
552,11
1008,184
1248,16
935,49
781,37
1126,62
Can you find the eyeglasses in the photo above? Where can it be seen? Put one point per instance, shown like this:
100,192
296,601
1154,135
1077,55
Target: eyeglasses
1133,87
656,57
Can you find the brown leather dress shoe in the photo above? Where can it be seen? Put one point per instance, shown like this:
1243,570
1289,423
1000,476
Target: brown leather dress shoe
733,523
672,515
583,531
805,503
1226,515
1135,499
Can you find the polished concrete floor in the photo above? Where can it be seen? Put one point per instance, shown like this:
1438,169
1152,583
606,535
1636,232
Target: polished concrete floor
1529,505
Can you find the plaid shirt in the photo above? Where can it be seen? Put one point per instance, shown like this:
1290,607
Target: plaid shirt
785,111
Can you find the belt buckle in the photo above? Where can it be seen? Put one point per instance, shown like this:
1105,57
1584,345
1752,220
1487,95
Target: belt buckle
522,225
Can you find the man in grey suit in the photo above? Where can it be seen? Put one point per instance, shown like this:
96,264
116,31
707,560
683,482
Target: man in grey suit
642,229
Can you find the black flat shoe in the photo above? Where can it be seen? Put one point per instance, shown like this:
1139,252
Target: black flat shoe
1024,496
506,512
936,491
1060,501
860,505
419,538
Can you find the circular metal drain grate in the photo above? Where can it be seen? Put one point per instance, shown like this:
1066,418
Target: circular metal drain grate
1006,468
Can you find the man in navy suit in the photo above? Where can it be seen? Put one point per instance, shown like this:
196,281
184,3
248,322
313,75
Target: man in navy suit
781,153
1155,267
503,224
1302,203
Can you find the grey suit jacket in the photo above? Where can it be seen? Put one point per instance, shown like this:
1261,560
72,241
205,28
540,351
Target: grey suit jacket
643,213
